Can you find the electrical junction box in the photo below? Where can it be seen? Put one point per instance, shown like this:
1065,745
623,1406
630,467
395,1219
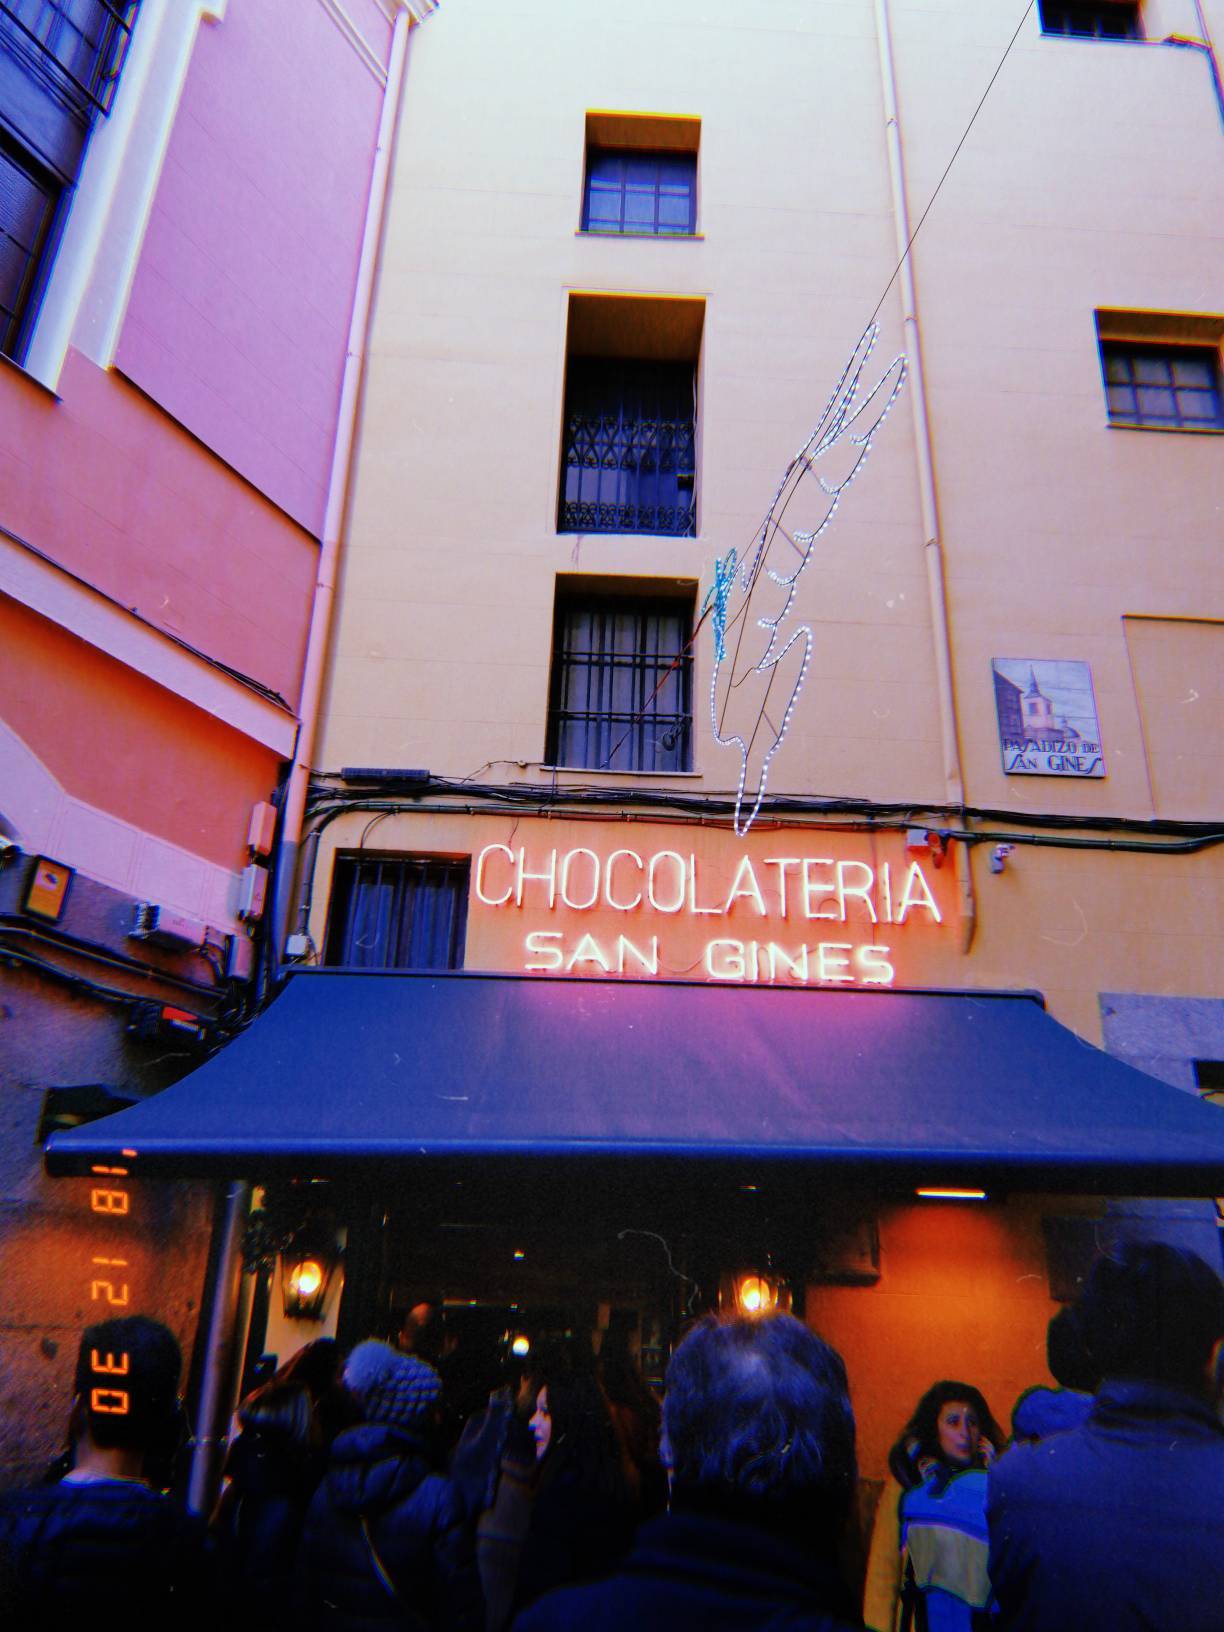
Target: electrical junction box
239,957
252,891
157,1022
173,930
261,835
297,946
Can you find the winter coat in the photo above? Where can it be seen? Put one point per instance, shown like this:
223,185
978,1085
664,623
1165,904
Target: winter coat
579,1531
259,1525
944,1552
387,1542
101,1555
689,1570
1118,1523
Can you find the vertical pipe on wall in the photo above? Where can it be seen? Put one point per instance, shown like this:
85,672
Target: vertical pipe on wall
954,781
224,1318
319,637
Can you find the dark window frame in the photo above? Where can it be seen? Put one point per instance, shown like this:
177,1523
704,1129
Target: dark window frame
60,62
386,929
1092,19
610,176
629,447
621,683
1140,376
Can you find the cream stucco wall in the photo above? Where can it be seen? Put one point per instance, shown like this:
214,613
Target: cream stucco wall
1093,177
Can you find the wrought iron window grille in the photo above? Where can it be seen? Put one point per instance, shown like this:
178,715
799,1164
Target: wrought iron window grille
1163,387
76,48
622,685
628,456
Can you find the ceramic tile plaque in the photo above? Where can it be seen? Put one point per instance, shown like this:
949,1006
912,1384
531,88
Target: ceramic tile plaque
1047,717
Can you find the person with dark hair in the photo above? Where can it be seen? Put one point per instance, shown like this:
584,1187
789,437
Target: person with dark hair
581,1514
102,1548
928,1555
386,1540
1119,1523
758,1437
1043,1411
272,1471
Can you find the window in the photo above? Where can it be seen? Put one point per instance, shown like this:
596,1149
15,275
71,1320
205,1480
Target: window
60,62
629,448
1162,387
629,191
622,683
1092,19
1209,1080
398,912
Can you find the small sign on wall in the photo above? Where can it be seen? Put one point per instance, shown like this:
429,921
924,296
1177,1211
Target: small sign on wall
1047,717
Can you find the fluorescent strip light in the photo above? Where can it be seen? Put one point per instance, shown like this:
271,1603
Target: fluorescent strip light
952,1195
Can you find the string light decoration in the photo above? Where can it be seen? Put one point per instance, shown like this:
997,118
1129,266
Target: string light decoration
851,418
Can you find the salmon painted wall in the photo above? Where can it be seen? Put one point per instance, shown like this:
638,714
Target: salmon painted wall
108,486
239,312
962,1293
122,743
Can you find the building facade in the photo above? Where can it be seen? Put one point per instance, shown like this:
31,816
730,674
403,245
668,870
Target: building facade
974,678
186,189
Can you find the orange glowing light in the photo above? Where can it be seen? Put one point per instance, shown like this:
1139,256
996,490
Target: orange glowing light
110,1367
306,1278
756,1294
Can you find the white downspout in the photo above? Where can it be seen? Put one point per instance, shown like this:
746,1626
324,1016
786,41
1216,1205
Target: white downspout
319,638
954,781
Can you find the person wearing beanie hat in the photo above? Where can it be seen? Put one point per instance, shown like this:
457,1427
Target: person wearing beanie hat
398,1389
386,1541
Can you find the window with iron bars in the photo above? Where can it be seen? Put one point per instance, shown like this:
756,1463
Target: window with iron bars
398,912
1092,19
60,62
1162,387
628,454
621,697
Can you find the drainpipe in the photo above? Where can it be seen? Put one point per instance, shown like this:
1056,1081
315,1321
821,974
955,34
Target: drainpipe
932,547
1205,44
225,1318
318,639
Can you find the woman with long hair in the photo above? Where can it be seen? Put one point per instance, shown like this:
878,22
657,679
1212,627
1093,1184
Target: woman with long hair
581,1514
927,1565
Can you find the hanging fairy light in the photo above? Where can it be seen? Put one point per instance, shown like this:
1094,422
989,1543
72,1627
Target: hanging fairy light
852,416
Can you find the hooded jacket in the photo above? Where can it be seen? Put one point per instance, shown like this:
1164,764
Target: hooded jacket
386,1541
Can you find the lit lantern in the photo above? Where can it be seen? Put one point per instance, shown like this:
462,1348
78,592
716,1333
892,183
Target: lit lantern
521,1346
753,1294
306,1272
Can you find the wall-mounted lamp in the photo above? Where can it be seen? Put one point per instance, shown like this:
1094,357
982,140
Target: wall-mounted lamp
753,1294
307,1268
520,1346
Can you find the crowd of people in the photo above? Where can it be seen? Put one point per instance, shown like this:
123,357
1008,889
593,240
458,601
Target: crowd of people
569,1499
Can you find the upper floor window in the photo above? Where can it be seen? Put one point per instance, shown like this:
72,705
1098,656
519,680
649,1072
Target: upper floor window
1161,369
629,429
641,175
628,450
1092,19
621,697
60,62
397,912
634,192
1163,387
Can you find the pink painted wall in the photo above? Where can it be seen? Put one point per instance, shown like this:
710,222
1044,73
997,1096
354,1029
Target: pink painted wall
109,487
239,311
125,744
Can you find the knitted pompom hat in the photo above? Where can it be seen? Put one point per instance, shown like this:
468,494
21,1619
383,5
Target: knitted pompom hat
392,1388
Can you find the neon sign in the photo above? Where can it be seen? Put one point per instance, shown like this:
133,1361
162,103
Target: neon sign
759,918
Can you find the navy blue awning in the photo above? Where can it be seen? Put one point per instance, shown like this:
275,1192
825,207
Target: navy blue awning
352,1068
